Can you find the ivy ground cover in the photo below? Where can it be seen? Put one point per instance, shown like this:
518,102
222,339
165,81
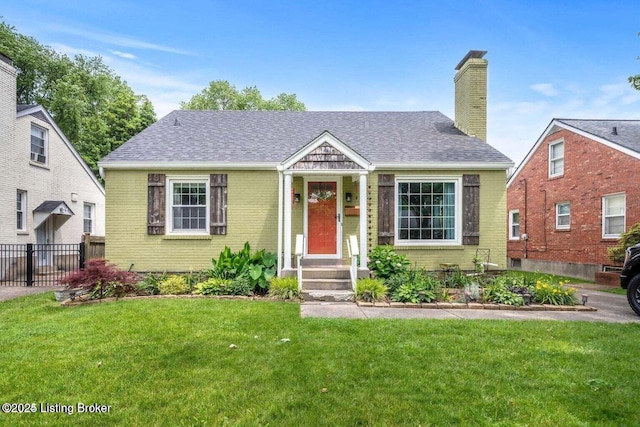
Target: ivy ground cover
198,361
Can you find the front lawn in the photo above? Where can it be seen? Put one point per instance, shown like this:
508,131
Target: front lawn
199,361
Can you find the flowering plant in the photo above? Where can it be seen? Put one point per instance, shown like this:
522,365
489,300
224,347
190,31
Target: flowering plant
385,262
546,293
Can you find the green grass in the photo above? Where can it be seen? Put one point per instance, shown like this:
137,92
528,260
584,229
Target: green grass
551,277
169,362
617,291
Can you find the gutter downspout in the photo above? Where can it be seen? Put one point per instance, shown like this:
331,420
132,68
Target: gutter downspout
526,230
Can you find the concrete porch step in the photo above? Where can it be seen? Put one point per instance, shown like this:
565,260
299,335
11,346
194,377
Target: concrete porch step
326,273
327,284
327,295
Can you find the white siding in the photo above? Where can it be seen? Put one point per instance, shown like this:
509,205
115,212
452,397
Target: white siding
63,174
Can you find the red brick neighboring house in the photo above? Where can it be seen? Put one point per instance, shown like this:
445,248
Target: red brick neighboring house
577,189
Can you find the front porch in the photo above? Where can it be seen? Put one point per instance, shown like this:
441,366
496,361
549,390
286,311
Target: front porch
323,197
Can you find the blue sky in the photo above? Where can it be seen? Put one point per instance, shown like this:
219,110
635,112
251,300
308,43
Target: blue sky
547,59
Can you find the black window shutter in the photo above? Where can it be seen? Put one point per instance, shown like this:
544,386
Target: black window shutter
156,203
386,209
218,199
471,209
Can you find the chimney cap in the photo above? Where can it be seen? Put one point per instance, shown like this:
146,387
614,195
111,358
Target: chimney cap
472,54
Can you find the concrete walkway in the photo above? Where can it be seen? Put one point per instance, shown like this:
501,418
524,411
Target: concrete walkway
9,292
609,308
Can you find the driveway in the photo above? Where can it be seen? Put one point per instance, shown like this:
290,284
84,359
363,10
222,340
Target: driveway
609,308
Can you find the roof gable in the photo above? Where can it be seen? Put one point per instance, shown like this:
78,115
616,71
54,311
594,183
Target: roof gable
326,152
620,135
40,113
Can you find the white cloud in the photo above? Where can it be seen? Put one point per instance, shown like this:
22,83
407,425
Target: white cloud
123,54
514,126
546,89
116,40
72,51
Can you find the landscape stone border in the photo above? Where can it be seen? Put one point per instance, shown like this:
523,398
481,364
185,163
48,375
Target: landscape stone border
477,306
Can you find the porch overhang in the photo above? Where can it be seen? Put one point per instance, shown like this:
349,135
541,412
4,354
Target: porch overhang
324,156
57,208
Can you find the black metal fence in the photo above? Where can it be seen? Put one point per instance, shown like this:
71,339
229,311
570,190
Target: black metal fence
39,264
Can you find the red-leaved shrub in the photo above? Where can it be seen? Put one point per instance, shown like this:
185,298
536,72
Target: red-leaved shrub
99,276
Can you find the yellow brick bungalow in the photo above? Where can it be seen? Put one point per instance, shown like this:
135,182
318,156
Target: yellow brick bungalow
197,181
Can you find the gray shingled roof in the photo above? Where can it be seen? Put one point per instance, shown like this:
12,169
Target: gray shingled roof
627,133
273,136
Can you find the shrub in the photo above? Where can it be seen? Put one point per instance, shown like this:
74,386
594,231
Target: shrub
457,279
395,281
472,292
102,279
173,285
285,288
370,290
384,262
413,293
555,294
212,286
628,238
497,291
419,286
149,284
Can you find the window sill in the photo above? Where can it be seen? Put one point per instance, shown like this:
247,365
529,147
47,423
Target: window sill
421,247
22,233
563,230
186,237
551,178
39,165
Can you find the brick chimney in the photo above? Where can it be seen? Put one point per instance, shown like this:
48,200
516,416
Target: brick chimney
471,94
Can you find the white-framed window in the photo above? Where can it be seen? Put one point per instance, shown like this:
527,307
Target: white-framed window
21,210
556,159
188,205
514,225
38,144
613,215
563,216
88,211
429,211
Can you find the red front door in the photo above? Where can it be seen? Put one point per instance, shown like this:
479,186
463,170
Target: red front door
321,214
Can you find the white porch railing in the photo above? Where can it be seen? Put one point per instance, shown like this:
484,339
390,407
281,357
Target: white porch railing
299,255
354,251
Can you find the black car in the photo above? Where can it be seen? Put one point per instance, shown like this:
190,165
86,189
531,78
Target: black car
630,277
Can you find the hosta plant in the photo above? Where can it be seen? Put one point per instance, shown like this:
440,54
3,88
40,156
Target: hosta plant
212,286
285,288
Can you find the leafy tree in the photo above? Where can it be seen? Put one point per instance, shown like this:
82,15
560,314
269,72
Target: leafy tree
635,80
222,95
96,109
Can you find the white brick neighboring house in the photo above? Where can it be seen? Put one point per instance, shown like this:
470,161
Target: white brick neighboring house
48,194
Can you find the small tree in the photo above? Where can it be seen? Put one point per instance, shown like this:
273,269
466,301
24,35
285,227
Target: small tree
629,238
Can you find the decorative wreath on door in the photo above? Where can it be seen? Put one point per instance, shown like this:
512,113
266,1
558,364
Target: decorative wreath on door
321,195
